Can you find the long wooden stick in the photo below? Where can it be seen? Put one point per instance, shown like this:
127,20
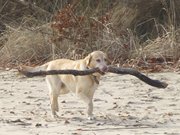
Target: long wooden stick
142,77
130,71
55,72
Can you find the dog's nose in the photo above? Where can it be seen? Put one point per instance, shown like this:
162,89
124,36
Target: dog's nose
104,69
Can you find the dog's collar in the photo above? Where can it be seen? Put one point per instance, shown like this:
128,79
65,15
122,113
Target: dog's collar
94,77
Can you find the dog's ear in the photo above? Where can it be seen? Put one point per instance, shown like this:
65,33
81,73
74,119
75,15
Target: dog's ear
108,61
88,59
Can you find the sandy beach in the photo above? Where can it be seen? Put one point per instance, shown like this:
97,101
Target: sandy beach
123,105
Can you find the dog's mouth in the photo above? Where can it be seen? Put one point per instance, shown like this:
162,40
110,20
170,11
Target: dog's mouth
102,73
103,70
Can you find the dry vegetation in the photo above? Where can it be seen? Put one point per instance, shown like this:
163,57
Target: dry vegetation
139,33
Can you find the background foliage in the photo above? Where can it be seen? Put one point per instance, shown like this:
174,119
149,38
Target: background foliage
136,33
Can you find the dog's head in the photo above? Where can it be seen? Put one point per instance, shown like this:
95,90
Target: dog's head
97,59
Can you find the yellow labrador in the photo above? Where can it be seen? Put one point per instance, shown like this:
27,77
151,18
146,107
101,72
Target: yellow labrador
83,86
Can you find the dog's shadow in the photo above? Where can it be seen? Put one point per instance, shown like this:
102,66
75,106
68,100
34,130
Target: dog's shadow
129,122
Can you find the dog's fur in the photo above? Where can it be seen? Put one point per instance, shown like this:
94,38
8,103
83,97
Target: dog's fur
83,86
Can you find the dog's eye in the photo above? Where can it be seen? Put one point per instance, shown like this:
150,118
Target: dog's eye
98,60
105,59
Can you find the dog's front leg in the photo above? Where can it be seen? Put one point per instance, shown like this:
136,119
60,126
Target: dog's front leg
90,110
88,100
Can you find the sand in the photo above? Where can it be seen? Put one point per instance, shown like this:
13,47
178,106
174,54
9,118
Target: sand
123,105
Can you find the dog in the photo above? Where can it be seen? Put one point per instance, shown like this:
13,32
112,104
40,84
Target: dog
83,86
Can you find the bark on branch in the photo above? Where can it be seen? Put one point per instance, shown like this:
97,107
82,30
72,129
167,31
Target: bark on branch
116,70
142,77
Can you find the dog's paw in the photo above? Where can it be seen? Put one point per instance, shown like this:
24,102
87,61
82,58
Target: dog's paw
91,118
55,116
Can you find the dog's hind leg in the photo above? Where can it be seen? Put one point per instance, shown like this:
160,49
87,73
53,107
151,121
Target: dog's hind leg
54,85
54,104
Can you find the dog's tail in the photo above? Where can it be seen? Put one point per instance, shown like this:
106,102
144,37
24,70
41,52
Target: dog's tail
23,69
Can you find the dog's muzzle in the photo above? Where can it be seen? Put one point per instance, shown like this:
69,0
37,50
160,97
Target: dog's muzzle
103,70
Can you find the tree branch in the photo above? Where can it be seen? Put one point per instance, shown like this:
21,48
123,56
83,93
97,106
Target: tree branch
55,72
142,77
116,70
